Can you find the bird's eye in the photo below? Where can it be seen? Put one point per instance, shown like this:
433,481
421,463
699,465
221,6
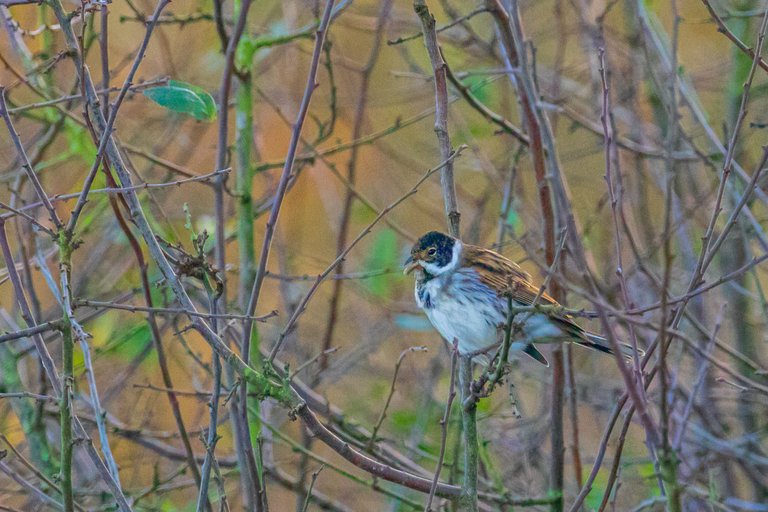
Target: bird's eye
432,251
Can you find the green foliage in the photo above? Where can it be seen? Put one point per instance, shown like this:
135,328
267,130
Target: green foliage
478,85
403,420
185,98
79,141
279,35
513,219
126,343
595,496
383,254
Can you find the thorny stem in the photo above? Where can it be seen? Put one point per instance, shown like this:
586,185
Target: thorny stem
250,481
67,377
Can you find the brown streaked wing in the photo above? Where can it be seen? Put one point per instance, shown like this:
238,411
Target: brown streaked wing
499,272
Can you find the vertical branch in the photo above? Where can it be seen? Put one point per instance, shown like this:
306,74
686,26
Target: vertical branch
286,174
357,132
244,153
212,438
468,499
441,114
274,214
615,198
509,28
469,407
67,377
250,483
668,460
571,393
738,252
104,49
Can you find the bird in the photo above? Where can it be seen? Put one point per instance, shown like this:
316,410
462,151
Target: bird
465,289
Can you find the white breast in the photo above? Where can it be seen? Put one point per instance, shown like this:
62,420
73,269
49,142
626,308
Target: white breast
462,308
449,304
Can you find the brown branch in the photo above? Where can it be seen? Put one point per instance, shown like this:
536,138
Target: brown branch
723,29
441,114
509,27
486,112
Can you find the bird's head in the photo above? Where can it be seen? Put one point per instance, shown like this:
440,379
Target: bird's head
433,254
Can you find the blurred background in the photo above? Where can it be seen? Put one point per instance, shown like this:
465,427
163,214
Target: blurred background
373,113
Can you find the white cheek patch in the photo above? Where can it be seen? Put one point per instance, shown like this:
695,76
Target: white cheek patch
433,269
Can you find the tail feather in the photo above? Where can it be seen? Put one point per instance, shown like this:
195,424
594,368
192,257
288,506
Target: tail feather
599,343
533,352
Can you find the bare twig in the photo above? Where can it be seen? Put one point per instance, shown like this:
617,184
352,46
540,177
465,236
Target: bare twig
444,429
321,277
441,114
383,413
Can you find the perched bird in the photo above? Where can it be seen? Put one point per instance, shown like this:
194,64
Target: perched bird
464,291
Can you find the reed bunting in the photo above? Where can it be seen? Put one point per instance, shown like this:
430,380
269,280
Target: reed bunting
464,291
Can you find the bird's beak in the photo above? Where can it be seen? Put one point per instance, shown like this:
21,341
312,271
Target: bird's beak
410,265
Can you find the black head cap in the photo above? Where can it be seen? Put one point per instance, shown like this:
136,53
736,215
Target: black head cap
434,247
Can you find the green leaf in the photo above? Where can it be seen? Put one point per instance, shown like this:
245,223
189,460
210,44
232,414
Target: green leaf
185,98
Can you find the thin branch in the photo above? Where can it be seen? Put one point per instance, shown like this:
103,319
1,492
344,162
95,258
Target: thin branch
25,163
383,413
444,429
723,29
173,311
321,277
107,132
441,114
